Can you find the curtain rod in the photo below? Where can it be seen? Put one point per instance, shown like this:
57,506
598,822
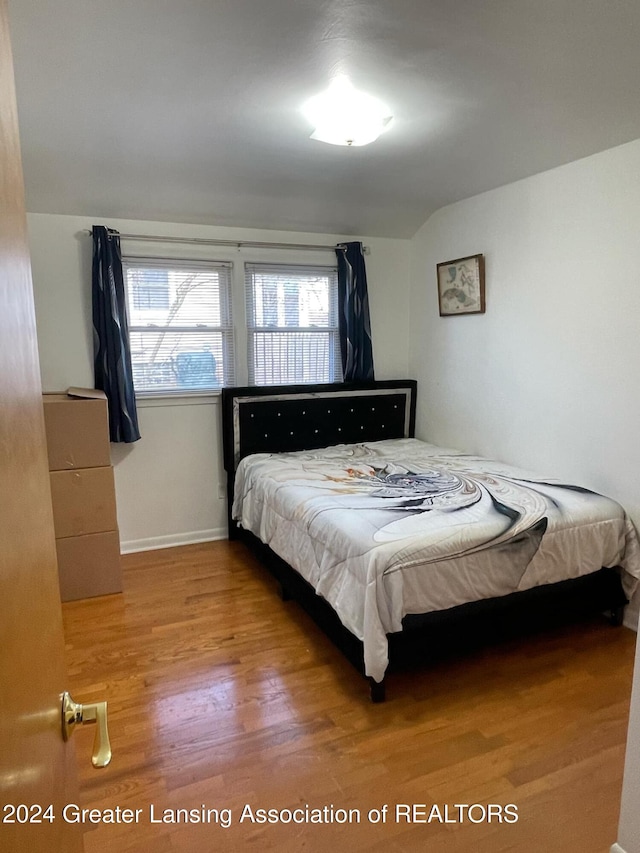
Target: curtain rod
238,244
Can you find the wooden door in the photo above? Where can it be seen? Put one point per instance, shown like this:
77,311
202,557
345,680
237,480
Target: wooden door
36,766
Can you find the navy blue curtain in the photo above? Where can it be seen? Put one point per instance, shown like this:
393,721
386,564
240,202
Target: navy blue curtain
353,314
111,354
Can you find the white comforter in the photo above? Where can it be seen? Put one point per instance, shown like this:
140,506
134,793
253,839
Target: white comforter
388,528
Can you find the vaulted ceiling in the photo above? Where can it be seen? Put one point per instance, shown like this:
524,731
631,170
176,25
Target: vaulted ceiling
189,111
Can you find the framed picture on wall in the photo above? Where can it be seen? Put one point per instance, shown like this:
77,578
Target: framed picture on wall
461,286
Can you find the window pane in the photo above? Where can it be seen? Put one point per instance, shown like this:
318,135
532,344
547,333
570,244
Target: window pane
290,357
177,361
281,301
180,326
173,297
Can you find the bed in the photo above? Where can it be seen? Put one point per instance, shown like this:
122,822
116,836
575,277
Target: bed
388,541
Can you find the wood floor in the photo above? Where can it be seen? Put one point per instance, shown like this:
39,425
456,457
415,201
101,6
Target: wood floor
222,696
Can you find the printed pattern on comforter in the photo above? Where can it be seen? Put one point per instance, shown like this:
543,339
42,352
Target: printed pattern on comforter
387,528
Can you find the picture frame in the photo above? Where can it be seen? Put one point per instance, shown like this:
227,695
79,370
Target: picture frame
461,286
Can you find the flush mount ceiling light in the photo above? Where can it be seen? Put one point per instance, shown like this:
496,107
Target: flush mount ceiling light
344,116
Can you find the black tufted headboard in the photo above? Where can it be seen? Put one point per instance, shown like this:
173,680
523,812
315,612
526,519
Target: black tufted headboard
278,418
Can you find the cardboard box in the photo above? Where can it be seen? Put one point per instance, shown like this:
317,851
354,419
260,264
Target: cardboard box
83,501
77,430
89,565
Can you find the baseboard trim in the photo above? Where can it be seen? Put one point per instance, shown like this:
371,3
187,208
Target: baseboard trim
155,543
615,848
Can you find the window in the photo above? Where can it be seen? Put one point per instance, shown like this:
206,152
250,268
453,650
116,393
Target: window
180,327
292,324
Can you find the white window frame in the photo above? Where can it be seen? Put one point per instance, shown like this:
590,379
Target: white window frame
253,330
226,329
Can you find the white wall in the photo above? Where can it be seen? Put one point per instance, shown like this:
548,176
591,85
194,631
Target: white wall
549,377
167,483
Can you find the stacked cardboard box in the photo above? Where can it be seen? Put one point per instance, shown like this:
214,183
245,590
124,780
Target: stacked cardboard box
83,494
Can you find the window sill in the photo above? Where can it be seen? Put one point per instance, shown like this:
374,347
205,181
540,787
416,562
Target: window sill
155,401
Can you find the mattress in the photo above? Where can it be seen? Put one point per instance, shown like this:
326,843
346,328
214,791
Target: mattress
389,528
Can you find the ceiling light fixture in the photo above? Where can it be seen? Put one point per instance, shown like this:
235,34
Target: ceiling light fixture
345,116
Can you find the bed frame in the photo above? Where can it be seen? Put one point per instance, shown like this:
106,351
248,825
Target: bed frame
273,419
